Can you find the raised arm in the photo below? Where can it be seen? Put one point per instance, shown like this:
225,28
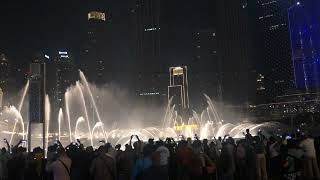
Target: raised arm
130,143
7,144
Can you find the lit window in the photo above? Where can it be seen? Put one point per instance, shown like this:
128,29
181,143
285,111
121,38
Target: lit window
97,15
151,29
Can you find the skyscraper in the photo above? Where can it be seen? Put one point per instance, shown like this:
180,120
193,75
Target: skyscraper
235,50
4,73
37,91
273,44
179,88
305,42
95,55
65,73
206,68
150,74
145,19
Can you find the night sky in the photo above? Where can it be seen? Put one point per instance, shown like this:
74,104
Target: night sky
49,26
40,25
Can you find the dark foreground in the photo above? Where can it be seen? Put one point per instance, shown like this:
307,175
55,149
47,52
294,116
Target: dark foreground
254,158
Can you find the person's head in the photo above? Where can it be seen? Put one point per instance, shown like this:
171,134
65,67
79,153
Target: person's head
128,147
107,146
136,145
197,146
81,147
189,140
169,140
21,150
230,140
3,150
205,142
304,137
212,145
89,149
219,138
61,151
241,142
118,147
151,141
37,150
248,131
102,150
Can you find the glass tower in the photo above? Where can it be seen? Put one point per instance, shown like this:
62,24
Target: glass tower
305,42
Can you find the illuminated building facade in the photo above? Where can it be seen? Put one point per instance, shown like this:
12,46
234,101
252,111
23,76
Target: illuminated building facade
273,46
305,42
178,88
4,73
288,107
95,55
65,74
37,91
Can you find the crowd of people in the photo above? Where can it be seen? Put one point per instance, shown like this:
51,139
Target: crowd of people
286,157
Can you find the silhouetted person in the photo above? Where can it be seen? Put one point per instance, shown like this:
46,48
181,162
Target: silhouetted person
61,166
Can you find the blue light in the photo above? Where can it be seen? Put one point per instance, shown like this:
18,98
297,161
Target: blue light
305,42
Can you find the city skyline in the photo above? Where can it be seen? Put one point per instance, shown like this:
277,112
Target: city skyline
226,46
157,67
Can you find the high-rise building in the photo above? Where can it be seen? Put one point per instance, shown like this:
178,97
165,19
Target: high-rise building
95,55
150,74
179,88
65,74
235,50
4,73
37,91
305,42
205,69
145,20
270,20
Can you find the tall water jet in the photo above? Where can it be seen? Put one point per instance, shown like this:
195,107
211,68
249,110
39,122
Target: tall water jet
18,119
25,90
66,97
18,111
99,125
47,121
84,79
60,117
168,109
85,111
213,109
79,120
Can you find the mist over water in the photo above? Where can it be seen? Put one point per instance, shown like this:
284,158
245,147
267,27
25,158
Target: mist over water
110,113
